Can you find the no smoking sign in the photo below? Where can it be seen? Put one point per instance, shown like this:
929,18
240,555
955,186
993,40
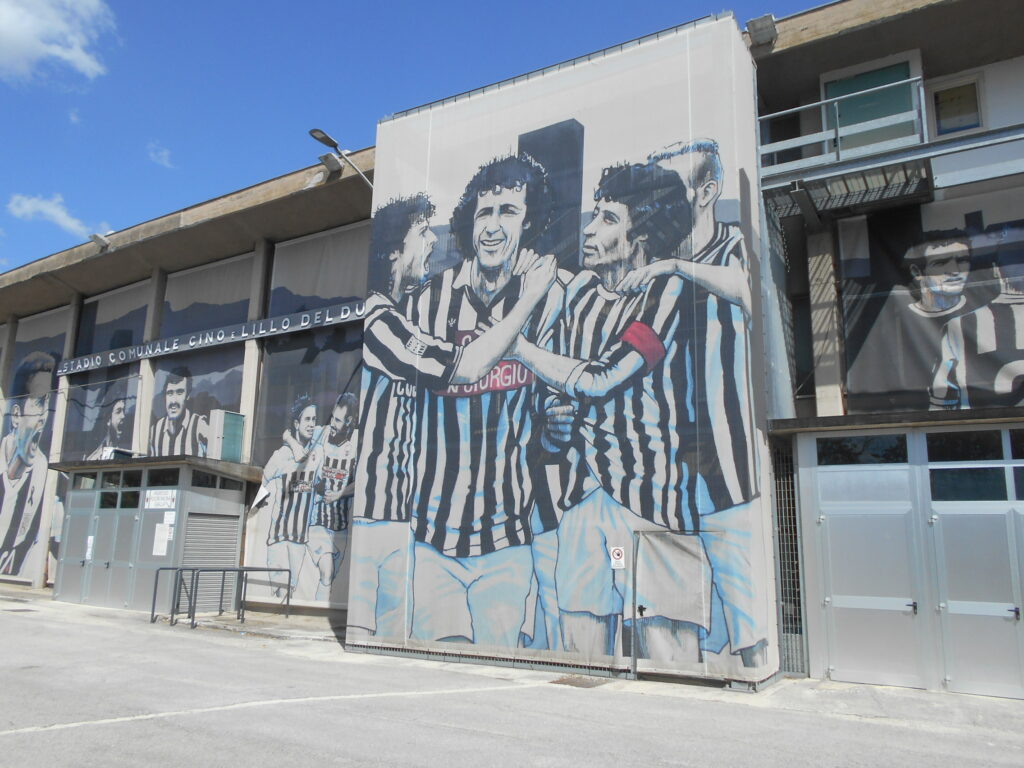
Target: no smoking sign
618,557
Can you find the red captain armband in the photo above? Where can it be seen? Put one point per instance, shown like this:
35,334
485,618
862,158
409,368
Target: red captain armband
646,342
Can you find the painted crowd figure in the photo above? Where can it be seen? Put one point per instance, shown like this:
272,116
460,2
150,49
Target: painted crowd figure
520,425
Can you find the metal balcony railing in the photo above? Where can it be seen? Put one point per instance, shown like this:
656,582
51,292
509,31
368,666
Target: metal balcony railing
847,129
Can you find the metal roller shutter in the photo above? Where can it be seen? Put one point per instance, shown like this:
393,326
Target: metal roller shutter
212,541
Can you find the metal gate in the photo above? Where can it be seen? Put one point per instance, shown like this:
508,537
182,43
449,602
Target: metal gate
916,543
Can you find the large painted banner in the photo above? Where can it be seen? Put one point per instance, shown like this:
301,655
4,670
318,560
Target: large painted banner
933,303
560,453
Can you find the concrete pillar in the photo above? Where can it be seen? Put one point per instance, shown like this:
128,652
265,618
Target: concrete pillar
825,328
144,407
7,356
52,510
253,348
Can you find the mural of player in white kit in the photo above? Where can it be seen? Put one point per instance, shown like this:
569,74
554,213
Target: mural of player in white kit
290,481
339,446
24,463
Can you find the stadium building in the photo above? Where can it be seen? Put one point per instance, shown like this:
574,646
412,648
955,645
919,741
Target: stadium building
711,387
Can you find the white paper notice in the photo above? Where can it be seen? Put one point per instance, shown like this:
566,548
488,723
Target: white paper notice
88,547
162,498
618,557
169,516
161,535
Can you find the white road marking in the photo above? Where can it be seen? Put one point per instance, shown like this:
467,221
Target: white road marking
262,703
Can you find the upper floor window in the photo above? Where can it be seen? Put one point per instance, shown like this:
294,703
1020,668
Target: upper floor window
955,105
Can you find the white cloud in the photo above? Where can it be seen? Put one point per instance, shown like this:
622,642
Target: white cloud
30,208
73,117
37,32
159,154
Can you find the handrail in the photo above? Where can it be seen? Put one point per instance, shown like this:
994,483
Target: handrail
834,99
241,588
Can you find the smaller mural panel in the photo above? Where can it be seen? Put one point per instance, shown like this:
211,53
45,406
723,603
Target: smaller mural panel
188,388
932,317
307,442
100,416
25,444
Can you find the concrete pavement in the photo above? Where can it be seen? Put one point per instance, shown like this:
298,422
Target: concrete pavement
83,686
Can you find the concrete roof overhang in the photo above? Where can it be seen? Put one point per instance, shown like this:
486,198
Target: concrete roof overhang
952,35
299,203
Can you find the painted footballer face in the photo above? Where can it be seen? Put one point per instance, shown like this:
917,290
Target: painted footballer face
175,394
117,414
946,268
412,261
498,226
341,424
305,424
605,238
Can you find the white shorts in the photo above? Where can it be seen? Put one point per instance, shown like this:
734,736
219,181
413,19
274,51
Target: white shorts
378,598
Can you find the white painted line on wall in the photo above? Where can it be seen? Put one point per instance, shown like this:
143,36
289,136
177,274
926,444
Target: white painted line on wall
262,703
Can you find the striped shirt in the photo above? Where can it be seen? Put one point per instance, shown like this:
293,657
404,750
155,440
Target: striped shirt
727,460
982,362
638,431
335,473
183,442
292,494
474,491
397,359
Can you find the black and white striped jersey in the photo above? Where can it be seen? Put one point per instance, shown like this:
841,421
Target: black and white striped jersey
474,491
725,399
982,361
20,504
639,416
397,359
293,494
185,441
335,474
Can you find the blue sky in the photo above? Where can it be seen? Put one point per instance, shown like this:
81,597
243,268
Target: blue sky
121,111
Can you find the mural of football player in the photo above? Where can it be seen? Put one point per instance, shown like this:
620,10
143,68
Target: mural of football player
714,257
981,354
473,496
180,431
24,462
626,359
339,444
291,483
399,360
115,432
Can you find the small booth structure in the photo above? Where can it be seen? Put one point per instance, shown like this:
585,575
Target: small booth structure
126,518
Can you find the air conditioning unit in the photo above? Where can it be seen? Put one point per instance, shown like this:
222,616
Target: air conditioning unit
225,437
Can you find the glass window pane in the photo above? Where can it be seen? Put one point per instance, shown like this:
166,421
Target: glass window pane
114,321
868,449
211,297
981,484
956,109
1018,481
84,481
227,484
111,480
108,500
101,413
166,477
965,446
203,479
320,270
129,499
1017,443
132,478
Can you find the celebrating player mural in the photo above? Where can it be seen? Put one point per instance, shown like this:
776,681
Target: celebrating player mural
549,387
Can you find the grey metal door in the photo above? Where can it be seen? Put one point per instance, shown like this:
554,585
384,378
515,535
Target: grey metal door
71,583
99,560
122,566
873,592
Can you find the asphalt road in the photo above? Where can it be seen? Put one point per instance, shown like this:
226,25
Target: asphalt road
84,686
